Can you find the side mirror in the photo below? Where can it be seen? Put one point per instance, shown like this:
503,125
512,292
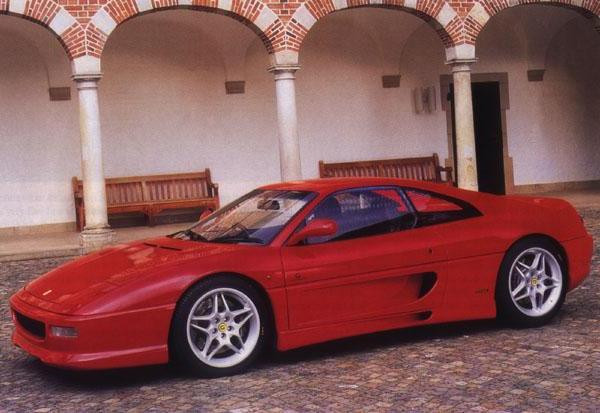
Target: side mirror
315,228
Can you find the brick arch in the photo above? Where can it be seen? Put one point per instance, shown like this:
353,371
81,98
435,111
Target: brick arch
52,16
438,13
483,10
253,13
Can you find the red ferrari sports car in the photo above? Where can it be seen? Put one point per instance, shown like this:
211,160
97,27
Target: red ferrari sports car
305,262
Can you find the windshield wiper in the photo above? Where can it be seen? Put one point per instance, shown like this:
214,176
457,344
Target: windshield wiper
192,235
236,238
243,235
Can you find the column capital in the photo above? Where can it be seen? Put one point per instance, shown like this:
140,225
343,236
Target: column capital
284,71
460,52
88,81
86,69
284,58
461,65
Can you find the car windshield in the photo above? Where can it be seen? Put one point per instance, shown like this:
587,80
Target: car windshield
255,218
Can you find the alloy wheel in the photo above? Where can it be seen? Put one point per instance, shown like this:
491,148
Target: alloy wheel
535,282
223,327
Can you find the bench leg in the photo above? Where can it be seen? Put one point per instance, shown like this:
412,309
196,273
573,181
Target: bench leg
150,217
152,212
80,219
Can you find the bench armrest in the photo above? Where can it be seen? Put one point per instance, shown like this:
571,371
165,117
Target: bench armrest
214,189
77,191
448,170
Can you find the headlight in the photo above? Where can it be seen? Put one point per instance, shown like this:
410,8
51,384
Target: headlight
70,332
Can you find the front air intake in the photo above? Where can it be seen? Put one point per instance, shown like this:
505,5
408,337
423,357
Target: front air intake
33,327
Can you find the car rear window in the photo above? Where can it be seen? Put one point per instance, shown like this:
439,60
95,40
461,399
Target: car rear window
432,208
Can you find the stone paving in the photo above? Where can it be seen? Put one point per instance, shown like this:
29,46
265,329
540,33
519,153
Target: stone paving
474,366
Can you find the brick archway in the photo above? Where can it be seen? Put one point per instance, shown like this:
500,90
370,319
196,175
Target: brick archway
85,32
482,11
53,17
252,13
438,13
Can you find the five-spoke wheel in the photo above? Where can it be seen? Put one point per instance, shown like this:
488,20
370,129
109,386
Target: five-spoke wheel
218,327
531,284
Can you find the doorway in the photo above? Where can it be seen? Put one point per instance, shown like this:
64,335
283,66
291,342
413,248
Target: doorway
488,137
487,119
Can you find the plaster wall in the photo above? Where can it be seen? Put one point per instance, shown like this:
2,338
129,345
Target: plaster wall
39,139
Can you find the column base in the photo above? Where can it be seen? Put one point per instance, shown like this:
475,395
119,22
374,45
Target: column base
96,238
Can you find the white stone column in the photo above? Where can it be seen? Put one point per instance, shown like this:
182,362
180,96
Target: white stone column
96,232
289,144
466,161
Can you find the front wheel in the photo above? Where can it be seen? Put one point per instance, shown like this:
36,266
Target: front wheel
218,328
532,283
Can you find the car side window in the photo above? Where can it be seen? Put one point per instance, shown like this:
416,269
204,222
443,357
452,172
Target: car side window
363,212
434,208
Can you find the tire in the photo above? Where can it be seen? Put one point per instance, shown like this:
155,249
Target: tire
521,280
209,343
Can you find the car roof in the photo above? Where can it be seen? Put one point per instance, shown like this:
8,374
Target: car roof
336,184
484,202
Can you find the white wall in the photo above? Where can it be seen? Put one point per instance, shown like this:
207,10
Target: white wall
552,126
39,140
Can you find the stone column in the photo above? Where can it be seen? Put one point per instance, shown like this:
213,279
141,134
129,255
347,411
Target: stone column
96,232
289,144
465,130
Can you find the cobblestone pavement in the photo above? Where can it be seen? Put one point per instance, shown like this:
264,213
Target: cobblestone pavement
474,366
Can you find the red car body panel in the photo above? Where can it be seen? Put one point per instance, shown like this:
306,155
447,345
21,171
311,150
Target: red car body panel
121,299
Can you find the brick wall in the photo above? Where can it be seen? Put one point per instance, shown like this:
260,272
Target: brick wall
82,10
281,24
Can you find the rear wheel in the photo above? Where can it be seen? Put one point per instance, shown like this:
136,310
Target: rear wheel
218,327
532,283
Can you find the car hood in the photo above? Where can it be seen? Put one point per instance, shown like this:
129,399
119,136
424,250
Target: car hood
78,282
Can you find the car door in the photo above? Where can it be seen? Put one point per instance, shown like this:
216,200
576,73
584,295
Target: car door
376,265
473,253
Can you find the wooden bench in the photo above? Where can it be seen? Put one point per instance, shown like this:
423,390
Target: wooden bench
152,194
423,169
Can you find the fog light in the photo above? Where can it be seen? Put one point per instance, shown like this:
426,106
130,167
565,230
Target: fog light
63,331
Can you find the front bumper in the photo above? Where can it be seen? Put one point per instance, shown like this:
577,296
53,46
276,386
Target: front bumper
104,341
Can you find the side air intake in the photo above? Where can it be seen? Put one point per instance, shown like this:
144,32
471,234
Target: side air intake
428,281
